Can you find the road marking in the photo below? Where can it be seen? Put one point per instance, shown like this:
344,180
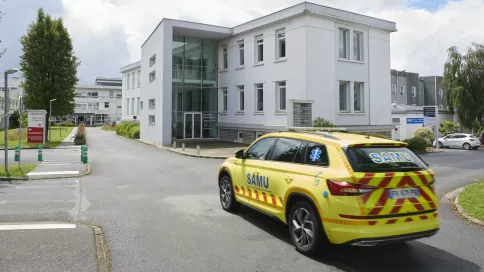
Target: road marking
37,226
55,164
53,173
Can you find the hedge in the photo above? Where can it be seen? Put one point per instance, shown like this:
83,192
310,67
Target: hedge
128,130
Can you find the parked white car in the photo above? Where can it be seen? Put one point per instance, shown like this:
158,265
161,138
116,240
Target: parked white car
459,140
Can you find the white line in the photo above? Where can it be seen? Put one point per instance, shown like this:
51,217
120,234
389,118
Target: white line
37,226
53,173
55,164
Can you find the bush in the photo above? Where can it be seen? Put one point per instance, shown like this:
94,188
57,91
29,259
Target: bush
426,133
321,122
67,123
416,144
125,129
134,132
448,127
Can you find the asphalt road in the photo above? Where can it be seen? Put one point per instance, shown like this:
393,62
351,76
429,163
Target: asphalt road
160,212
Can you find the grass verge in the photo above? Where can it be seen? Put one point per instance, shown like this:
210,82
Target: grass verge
108,127
471,200
15,171
58,134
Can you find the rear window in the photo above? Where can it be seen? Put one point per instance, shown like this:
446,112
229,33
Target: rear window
384,159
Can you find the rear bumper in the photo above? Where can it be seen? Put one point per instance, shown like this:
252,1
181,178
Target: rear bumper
392,239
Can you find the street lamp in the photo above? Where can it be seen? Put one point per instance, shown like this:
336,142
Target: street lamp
50,117
5,122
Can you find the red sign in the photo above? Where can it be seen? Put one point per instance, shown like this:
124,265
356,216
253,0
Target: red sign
135,117
35,135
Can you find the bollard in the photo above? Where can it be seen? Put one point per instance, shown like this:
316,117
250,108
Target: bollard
17,153
84,154
183,146
39,156
174,144
198,150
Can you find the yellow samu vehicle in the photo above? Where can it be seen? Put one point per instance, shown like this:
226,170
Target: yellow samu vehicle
333,188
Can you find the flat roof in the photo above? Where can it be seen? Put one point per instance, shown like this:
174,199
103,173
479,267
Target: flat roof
100,87
130,66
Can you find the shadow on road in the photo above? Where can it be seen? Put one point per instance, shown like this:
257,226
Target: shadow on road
410,256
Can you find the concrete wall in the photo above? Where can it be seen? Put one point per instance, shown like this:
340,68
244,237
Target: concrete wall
406,130
128,112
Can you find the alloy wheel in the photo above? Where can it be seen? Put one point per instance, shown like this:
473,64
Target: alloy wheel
225,193
303,228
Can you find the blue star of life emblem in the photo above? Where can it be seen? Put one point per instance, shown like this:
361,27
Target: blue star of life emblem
315,154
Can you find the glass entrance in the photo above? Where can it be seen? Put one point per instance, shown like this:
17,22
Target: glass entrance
193,125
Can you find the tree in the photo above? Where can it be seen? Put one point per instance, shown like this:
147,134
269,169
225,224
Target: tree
448,127
49,66
463,80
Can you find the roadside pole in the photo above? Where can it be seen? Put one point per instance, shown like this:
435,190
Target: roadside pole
20,130
437,123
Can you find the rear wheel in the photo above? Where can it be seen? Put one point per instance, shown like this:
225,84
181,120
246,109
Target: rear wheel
227,197
306,230
441,145
466,146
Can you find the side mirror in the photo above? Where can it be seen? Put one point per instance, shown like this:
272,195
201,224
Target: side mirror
239,154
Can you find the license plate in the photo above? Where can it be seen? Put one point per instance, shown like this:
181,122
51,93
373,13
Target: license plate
404,193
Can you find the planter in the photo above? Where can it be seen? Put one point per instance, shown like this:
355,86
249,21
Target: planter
79,141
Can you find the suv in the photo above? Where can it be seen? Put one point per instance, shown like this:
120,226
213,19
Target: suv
333,188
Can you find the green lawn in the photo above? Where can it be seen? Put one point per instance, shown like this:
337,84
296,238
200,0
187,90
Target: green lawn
471,199
56,138
15,171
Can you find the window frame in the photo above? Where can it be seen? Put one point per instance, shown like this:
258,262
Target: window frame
152,60
259,41
257,87
361,98
128,81
241,51
224,99
152,76
106,103
279,88
402,90
139,78
345,33
414,91
225,57
441,93
152,105
150,122
361,49
301,148
255,143
306,149
279,41
347,102
241,98
394,90
133,81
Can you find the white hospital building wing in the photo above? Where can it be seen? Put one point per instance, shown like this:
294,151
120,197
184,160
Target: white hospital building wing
278,71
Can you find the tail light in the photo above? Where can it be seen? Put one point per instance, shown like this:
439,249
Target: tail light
348,189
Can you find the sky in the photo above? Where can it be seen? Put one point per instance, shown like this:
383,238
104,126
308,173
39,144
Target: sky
108,34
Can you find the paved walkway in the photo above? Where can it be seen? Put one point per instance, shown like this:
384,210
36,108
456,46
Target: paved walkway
213,149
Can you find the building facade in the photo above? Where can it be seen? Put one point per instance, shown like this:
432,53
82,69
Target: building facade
98,104
275,72
406,88
132,104
14,101
431,84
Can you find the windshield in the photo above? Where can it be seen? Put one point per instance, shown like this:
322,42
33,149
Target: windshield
384,159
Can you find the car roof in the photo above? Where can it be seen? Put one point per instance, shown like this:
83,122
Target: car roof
336,138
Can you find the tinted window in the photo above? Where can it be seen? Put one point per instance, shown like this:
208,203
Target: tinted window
316,154
260,149
384,159
285,150
459,136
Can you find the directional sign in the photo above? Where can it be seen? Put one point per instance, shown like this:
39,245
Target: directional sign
35,135
415,120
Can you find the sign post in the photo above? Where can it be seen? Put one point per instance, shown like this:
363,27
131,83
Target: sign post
431,120
36,126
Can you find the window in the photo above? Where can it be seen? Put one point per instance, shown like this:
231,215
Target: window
151,120
127,105
224,57
106,105
441,93
133,79
128,81
111,94
152,76
92,94
395,120
316,154
394,90
358,98
414,91
281,96
259,97
153,60
241,53
280,44
119,107
152,103
358,45
138,105
240,135
344,87
260,149
241,97
119,95
224,99
402,90
141,105
344,43
375,159
139,78
286,150
259,49
132,106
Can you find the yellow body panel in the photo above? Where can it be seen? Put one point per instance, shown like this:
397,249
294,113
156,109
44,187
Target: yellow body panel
267,185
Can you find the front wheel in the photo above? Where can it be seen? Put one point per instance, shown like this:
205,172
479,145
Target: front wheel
441,145
466,146
227,197
306,230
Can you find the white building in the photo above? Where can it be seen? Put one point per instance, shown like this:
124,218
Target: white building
278,71
15,91
131,91
98,104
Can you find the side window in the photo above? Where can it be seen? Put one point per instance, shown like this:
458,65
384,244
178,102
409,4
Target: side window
285,150
260,150
316,154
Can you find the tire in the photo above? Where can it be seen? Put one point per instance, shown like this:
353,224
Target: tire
441,145
227,197
466,146
300,233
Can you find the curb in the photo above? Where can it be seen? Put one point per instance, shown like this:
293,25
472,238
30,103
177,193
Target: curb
183,153
18,180
463,212
101,249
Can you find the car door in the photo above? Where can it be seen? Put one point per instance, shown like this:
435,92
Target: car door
458,140
448,141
